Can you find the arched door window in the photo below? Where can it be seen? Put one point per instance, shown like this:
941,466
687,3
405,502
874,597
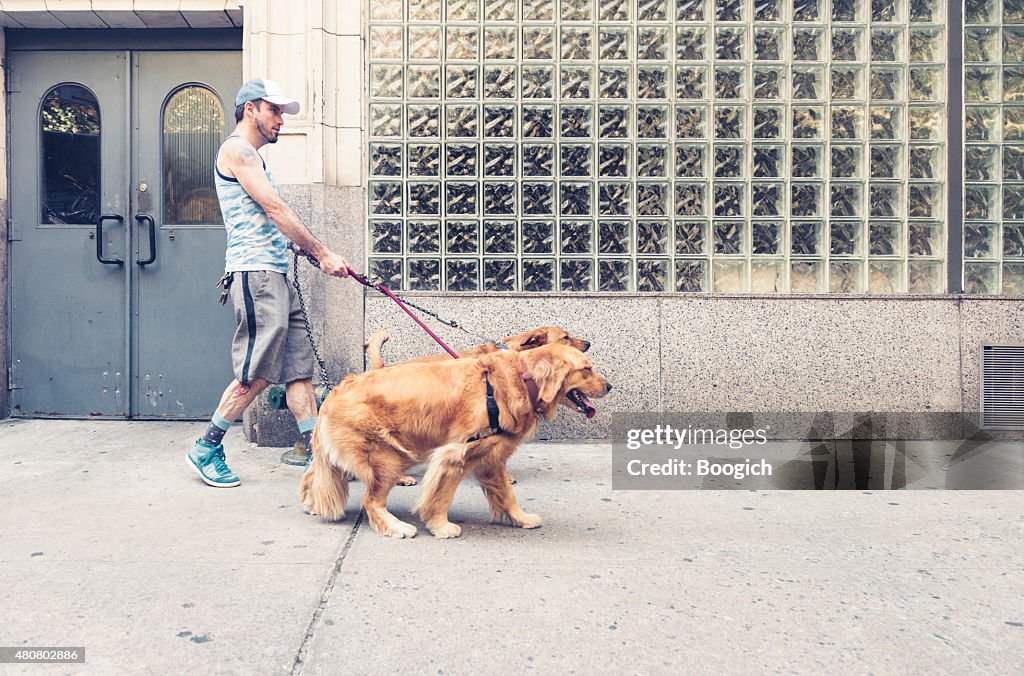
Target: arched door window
193,126
70,122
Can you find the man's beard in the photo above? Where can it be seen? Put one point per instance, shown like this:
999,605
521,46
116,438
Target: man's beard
265,133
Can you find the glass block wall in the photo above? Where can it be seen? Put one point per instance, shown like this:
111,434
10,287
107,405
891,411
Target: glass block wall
994,152
657,145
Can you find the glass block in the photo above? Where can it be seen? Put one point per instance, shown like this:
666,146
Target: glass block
1013,84
884,200
925,124
980,240
1013,124
981,124
613,237
730,44
460,82
424,42
979,203
576,237
613,82
1013,240
980,163
886,84
691,275
728,237
385,159
385,42
652,122
768,122
689,199
387,10
538,198
886,45
538,237
421,10
807,122
1013,162
981,45
981,278
499,199
691,122
460,159
386,271
462,43
728,122
845,238
768,83
461,121
846,277
690,161
767,10
981,84
576,275
925,45
729,83
885,161
651,275
424,121
847,82
847,44
499,275
651,237
925,83
576,82
499,82
884,10
807,277
499,44
613,44
652,43
1013,11
651,10
461,198
538,42
651,198
461,237
613,10
806,10
690,237
847,161
808,83
499,237
386,82
767,276
728,10
424,82
385,120
613,160
538,121
651,161
691,43
424,198
847,11
577,121
807,44
577,160
1013,202
462,274
846,199
925,162
538,10
537,82
847,123
924,239
768,43
805,199
652,82
767,237
499,160
884,123
768,161
385,236
538,275
613,122
613,199
538,159
576,199
1013,279
462,10
691,83
766,199
924,277
424,237
884,238
729,276
500,10
577,10
886,277
577,44
613,275
806,161
923,201
385,198
806,238
729,161
690,10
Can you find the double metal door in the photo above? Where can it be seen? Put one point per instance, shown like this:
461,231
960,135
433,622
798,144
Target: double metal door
116,233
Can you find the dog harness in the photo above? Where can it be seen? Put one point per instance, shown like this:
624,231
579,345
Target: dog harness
493,427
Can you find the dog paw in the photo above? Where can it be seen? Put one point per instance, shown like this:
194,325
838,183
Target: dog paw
525,520
447,530
406,480
400,530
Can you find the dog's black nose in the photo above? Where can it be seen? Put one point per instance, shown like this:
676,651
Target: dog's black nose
607,388
586,345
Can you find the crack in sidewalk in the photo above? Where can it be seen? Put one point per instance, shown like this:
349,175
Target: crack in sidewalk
325,595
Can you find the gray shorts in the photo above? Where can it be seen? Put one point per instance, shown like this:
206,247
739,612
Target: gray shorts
270,342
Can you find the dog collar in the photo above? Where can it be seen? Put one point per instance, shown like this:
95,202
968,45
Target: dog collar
493,427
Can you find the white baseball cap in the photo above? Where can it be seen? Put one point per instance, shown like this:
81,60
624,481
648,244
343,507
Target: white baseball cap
269,91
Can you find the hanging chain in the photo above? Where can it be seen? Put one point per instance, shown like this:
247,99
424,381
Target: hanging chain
309,332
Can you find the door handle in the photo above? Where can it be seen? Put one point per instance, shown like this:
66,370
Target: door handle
141,218
99,239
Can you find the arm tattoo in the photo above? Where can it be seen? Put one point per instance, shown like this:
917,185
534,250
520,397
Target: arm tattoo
246,155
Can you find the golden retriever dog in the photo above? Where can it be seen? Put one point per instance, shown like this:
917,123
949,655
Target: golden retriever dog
378,424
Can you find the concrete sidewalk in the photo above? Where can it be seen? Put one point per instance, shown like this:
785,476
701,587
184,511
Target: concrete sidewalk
109,541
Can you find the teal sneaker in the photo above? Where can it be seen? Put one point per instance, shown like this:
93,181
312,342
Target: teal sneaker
209,462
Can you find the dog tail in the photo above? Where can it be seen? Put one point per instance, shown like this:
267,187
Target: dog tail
373,349
324,488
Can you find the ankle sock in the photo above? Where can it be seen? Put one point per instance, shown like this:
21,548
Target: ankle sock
215,432
306,430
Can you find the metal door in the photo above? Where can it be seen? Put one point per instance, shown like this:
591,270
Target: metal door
114,313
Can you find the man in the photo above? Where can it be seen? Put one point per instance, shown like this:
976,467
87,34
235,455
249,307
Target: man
270,343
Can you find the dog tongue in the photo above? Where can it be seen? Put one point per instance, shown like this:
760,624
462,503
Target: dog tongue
591,411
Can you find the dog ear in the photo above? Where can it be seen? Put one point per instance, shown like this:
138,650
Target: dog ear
536,339
549,379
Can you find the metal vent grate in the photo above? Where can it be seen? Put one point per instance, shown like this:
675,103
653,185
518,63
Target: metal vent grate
1002,387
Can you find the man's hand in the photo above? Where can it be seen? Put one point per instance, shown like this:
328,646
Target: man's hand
333,264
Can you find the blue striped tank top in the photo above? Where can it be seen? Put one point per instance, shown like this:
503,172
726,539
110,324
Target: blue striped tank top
254,242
